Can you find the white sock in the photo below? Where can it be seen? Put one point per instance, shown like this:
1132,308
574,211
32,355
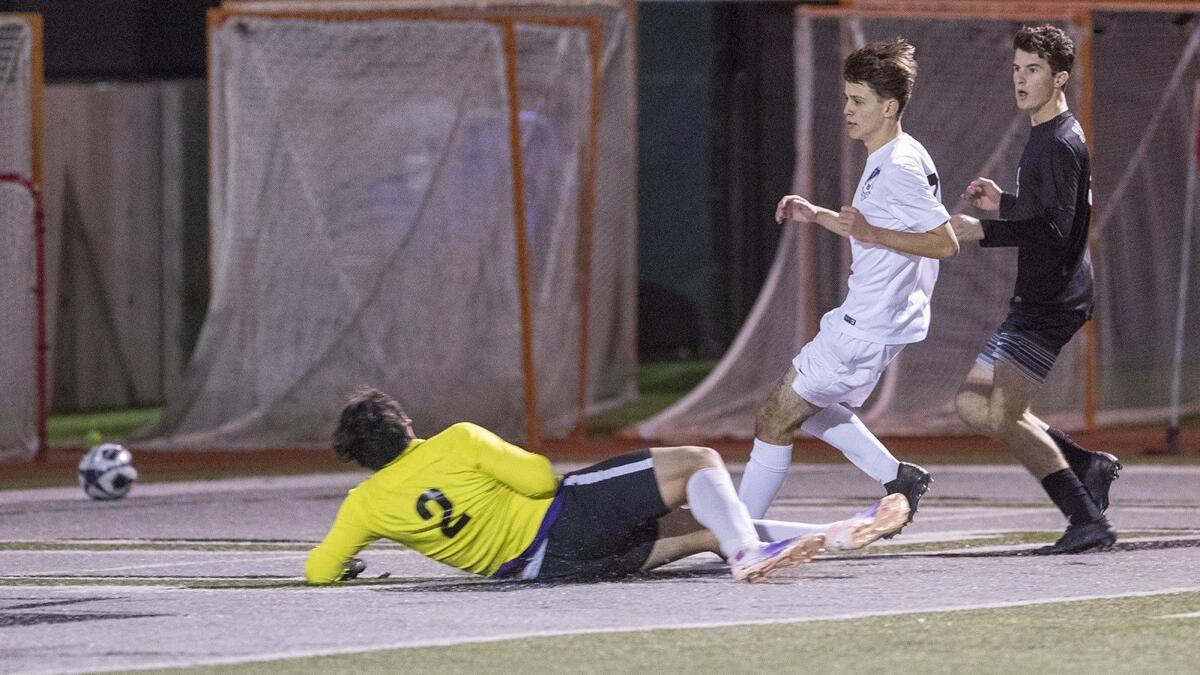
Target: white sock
774,530
764,476
715,505
842,429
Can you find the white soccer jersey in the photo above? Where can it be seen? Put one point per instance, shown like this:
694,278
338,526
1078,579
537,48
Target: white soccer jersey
889,292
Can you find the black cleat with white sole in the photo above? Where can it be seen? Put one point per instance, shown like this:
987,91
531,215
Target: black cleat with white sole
913,482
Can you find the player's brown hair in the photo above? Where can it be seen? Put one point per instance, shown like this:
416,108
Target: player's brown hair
889,68
1048,42
372,429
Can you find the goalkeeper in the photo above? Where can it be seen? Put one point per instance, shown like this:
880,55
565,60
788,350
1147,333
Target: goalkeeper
470,500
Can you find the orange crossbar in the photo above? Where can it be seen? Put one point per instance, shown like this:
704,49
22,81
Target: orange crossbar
219,15
1004,12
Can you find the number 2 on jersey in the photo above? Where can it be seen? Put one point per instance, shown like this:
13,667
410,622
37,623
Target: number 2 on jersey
450,525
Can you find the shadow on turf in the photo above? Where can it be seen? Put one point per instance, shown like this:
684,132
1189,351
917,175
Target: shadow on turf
714,570
1029,552
9,617
719,571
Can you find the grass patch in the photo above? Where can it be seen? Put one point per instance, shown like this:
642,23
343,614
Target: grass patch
659,385
73,429
1058,637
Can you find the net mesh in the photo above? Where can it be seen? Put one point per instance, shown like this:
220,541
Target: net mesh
959,114
18,337
1143,134
16,72
18,303
363,229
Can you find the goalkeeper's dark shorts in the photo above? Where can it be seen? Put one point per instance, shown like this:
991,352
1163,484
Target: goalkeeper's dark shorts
602,525
1032,341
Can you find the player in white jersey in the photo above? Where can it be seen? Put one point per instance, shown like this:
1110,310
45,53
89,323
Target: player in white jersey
897,229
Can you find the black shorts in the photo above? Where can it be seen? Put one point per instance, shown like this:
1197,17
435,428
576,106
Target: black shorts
607,520
1031,341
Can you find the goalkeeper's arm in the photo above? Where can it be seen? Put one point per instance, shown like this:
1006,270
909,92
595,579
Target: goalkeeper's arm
333,559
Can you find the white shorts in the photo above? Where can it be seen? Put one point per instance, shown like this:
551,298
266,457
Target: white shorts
837,368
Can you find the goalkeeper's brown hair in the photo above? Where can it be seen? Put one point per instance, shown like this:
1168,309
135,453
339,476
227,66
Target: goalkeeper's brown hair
372,429
889,68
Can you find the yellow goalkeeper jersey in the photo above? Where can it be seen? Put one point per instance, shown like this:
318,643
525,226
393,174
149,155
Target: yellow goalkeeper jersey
464,497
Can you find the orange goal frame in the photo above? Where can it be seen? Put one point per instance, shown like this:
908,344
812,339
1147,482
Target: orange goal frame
33,184
507,21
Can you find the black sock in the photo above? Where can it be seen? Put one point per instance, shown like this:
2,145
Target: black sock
1062,440
1069,495
1071,451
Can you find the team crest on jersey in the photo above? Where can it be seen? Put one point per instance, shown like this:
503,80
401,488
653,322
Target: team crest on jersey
866,188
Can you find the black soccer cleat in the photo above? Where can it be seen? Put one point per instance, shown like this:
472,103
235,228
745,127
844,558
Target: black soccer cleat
1097,535
1096,470
353,568
911,481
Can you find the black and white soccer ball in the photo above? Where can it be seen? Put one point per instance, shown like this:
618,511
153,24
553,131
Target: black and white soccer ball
106,472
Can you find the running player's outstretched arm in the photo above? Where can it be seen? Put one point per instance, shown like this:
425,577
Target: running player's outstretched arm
528,473
985,195
799,209
1060,174
346,537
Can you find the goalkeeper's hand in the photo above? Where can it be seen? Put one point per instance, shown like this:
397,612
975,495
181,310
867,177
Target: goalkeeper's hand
352,569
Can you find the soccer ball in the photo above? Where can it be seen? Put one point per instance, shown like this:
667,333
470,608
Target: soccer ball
106,471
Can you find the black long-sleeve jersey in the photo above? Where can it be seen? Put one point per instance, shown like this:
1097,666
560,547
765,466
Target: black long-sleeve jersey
1047,219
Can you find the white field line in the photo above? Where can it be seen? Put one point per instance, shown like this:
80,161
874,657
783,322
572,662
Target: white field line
955,514
298,654
207,561
1189,615
990,469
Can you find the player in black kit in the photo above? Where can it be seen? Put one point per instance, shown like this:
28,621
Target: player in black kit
1047,220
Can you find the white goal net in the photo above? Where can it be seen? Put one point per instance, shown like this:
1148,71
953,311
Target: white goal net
962,112
363,230
19,388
